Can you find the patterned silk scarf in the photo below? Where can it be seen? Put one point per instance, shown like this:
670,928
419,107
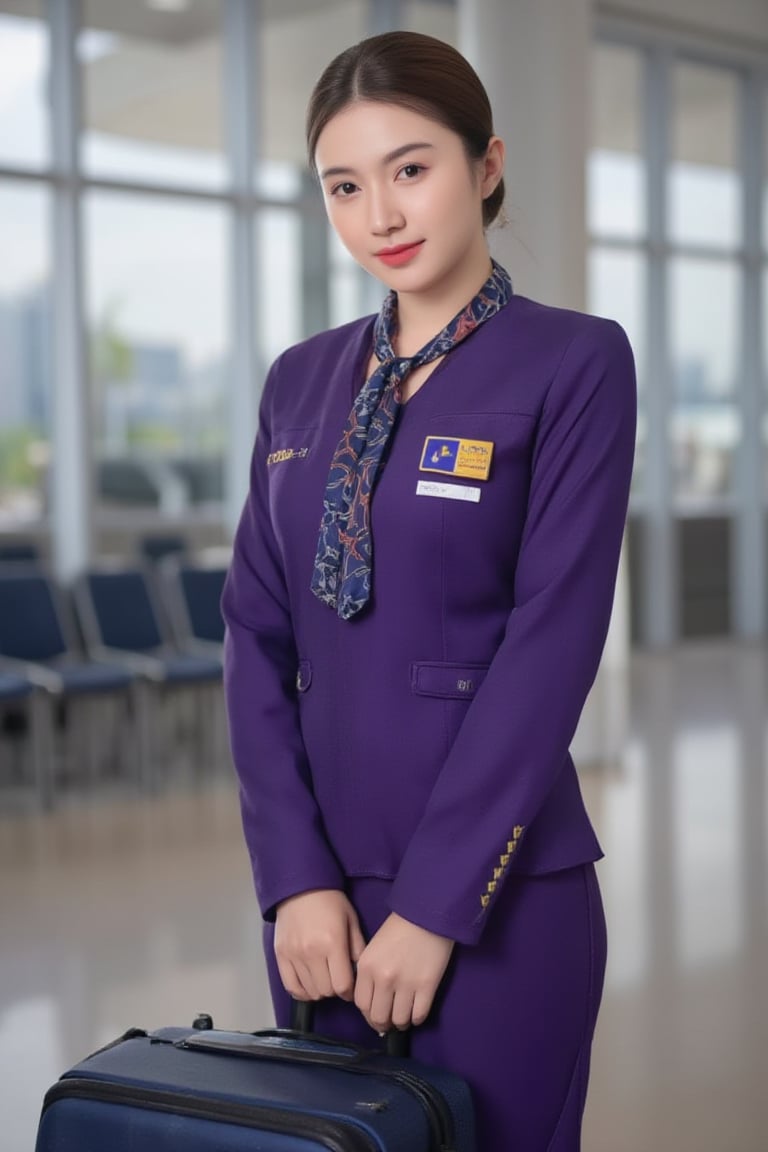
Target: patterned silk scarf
343,564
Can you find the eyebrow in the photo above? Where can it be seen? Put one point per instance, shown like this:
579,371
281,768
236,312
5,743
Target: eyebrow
388,159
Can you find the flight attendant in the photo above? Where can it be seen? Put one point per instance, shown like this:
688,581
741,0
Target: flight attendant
417,604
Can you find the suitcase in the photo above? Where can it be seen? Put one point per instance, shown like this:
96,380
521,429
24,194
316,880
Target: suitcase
280,1090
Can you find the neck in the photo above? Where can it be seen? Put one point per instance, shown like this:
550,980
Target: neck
421,315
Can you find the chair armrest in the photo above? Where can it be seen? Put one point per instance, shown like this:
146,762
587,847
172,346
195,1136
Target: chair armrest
38,674
210,648
138,662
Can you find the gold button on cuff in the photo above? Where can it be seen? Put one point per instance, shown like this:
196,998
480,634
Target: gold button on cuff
504,859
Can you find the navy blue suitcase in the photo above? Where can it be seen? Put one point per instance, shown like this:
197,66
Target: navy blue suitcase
201,1090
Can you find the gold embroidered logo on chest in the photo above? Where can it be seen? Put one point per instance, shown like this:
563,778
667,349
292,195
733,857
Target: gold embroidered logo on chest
285,454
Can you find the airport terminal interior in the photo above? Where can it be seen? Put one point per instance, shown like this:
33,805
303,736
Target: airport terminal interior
162,240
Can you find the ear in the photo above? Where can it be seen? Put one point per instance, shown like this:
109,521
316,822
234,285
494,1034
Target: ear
492,166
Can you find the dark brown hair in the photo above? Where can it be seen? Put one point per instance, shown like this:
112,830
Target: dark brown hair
417,72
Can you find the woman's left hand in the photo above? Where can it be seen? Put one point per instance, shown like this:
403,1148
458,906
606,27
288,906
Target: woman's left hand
399,973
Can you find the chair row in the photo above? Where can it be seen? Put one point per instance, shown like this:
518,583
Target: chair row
151,549
118,636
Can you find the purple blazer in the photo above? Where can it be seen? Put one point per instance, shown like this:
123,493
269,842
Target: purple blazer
426,740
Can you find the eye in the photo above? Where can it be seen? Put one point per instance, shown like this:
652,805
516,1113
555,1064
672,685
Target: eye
346,188
411,171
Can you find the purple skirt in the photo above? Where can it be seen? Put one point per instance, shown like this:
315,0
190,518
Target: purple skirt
515,1014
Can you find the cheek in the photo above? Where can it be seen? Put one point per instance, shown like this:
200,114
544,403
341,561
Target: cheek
452,201
344,220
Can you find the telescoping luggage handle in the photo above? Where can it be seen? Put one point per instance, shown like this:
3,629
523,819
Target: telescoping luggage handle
298,1044
303,1019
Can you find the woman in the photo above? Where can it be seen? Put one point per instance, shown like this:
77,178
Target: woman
419,596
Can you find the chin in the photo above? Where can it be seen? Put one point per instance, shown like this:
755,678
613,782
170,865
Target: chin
414,280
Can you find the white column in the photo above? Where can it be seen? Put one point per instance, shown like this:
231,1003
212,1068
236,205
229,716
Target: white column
71,496
534,58
748,555
660,601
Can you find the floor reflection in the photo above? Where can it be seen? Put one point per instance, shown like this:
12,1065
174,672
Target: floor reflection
679,1057
127,912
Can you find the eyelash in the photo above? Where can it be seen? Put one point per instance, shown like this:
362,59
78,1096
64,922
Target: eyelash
418,168
337,188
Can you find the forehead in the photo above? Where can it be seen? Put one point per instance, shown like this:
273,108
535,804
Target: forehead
366,131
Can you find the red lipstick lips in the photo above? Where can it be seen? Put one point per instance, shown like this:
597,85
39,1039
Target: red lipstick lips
399,253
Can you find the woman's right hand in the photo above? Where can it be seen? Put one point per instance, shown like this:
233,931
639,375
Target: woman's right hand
317,942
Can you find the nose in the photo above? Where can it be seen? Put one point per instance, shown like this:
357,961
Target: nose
384,213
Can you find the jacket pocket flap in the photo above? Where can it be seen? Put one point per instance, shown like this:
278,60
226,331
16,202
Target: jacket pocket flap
303,675
452,681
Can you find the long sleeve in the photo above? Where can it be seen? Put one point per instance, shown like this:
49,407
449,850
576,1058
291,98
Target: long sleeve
281,820
515,737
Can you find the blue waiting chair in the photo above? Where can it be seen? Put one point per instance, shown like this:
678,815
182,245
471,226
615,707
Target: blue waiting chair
18,695
154,549
19,554
192,593
121,620
36,645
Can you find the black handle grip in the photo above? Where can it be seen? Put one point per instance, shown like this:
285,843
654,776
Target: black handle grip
302,1015
303,1018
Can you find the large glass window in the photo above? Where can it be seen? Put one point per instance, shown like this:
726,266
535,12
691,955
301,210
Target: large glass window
151,84
617,288
25,362
346,282
673,226
298,40
153,88
616,167
705,307
617,213
24,41
157,329
280,313
704,180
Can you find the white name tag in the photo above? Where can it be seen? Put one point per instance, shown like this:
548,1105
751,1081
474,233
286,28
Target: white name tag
448,491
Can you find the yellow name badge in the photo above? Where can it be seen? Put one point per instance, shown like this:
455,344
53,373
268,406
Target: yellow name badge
456,457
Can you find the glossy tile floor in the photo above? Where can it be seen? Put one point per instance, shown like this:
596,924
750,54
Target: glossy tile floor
131,912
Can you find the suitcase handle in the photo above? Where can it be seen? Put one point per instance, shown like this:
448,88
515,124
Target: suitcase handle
303,1018
260,1046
